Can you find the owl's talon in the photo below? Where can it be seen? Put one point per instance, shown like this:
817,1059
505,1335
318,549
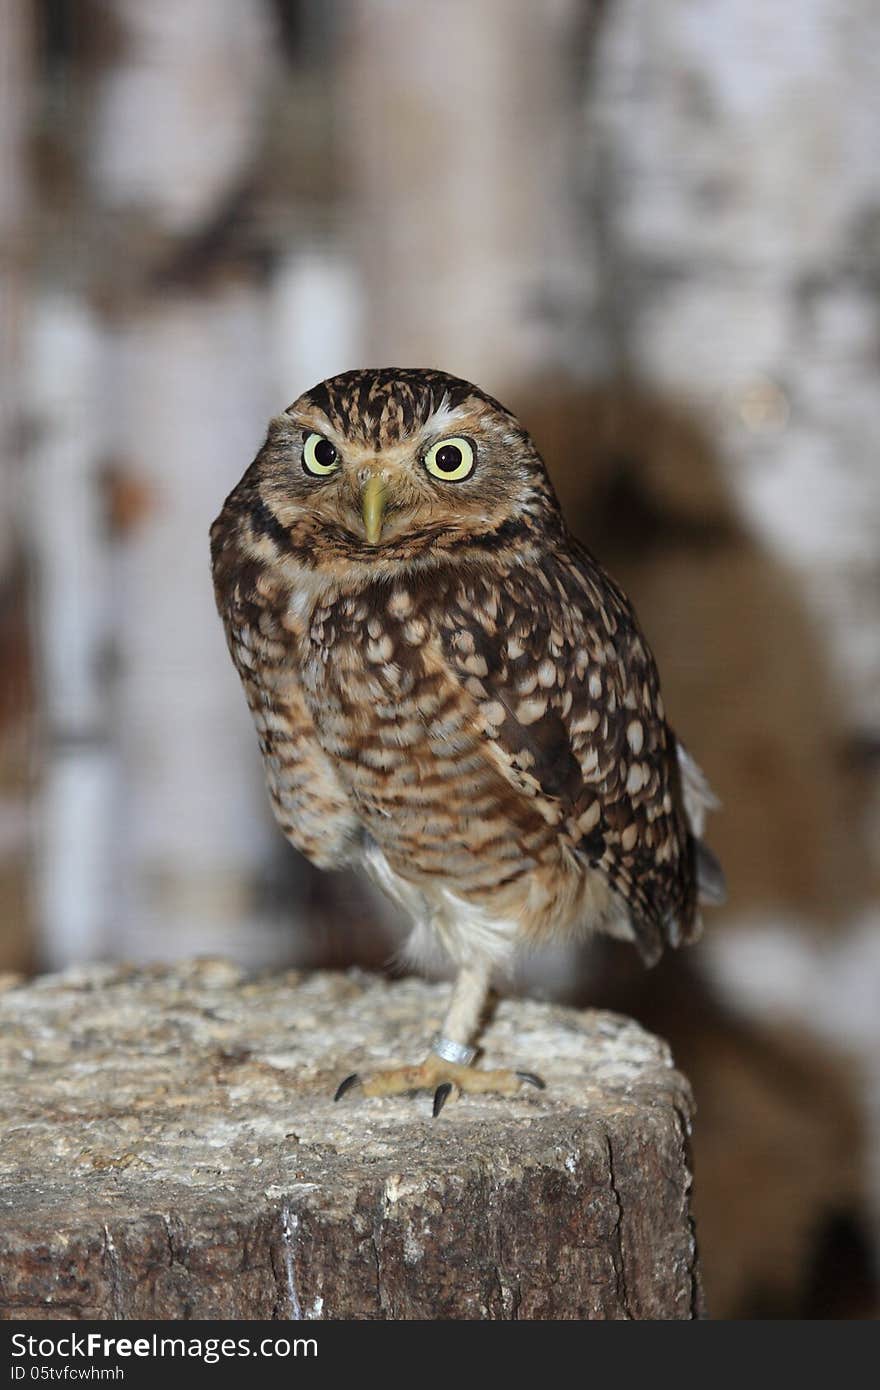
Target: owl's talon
443,1078
441,1096
533,1079
346,1085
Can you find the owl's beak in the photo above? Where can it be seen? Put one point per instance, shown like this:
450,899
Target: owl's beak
374,499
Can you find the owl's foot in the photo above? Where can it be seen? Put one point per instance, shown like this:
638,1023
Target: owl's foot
443,1078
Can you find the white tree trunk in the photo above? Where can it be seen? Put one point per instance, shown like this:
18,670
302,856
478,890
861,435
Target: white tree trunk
157,821
15,70
456,140
190,403
734,160
66,535
15,722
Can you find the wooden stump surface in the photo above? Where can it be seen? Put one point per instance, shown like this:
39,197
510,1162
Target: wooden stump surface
171,1149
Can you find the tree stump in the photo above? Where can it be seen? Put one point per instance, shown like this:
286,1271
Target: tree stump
172,1150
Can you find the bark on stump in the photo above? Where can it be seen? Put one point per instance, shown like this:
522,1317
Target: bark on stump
171,1149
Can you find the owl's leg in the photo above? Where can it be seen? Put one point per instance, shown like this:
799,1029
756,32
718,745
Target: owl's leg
448,1065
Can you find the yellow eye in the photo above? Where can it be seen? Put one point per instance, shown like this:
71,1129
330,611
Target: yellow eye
451,460
320,457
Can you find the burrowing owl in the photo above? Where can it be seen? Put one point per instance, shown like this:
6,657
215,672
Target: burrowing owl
450,692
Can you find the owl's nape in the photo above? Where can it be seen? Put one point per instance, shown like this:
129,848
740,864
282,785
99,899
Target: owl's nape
451,694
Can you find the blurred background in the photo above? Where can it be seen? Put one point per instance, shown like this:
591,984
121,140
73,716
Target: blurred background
652,228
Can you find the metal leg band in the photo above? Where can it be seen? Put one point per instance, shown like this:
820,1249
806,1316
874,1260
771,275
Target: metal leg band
454,1052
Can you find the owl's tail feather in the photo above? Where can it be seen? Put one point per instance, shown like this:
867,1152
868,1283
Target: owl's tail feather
698,796
699,799
711,884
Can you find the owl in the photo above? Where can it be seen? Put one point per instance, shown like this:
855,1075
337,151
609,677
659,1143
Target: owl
450,693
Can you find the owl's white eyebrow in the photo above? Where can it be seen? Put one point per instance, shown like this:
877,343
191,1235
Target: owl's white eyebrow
441,418
323,425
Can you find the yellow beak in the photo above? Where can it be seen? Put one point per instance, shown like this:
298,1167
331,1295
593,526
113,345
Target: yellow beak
373,502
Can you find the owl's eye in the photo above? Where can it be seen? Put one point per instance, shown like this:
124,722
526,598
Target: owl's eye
451,460
320,457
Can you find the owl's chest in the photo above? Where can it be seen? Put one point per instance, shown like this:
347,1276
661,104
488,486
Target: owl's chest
402,731
383,703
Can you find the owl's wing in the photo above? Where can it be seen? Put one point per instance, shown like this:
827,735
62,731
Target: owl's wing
568,695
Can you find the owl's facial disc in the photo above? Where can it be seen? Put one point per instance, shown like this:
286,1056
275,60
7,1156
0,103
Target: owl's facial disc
382,489
393,465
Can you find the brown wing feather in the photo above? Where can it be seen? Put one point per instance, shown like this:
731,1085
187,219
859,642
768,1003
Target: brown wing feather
569,695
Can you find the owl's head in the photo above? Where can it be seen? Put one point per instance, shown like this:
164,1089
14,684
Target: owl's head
383,466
